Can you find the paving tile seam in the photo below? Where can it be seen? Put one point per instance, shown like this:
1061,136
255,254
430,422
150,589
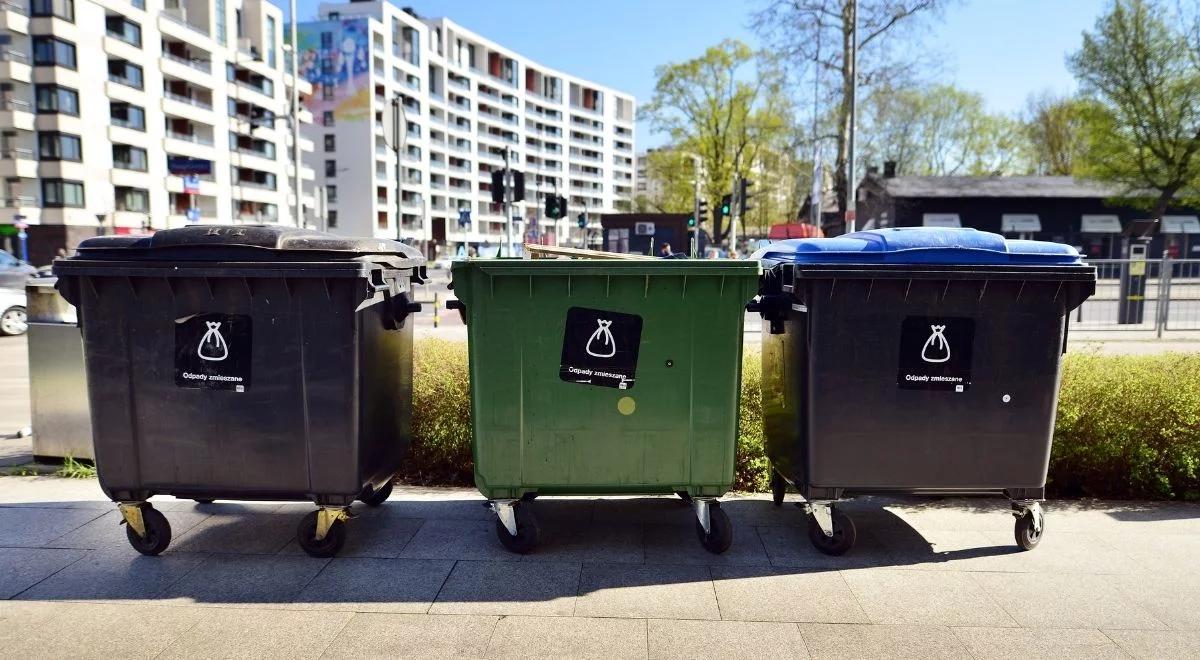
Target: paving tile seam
440,587
81,557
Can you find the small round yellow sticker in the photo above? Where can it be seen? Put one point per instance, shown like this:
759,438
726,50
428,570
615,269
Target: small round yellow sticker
626,405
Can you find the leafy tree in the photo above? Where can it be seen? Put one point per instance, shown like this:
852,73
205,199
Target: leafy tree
1144,73
1056,129
670,172
724,106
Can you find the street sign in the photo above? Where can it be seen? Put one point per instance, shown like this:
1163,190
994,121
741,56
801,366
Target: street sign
464,217
181,165
191,184
193,215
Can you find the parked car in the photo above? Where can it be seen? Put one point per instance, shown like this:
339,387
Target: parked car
12,319
14,272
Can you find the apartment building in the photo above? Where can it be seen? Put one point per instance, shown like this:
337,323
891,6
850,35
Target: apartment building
121,115
465,102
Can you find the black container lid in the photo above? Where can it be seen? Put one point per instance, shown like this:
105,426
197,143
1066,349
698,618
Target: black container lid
243,243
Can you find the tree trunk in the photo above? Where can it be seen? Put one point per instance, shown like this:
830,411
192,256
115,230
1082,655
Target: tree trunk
841,184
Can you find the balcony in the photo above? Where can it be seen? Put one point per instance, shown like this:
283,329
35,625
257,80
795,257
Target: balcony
14,65
190,137
18,162
175,17
16,113
194,63
13,17
190,100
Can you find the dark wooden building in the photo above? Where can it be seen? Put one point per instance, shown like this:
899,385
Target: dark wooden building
1049,208
644,233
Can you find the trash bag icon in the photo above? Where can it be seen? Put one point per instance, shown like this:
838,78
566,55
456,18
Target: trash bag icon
936,348
212,345
606,345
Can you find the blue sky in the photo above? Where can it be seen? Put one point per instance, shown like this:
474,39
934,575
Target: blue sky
1002,49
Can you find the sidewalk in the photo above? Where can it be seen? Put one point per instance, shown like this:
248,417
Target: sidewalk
615,577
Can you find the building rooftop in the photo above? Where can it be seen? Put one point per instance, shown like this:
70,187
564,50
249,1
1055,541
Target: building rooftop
993,186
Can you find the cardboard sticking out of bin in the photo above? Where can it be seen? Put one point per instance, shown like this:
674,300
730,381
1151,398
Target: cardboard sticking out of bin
552,252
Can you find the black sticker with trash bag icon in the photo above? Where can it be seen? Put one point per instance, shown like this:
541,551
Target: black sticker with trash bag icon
212,351
600,348
935,353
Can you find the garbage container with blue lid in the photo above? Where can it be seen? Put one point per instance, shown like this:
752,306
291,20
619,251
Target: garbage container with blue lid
914,361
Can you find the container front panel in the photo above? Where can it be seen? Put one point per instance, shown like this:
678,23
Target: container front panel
294,410
924,384
673,428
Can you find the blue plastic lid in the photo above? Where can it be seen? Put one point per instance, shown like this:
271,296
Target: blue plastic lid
919,245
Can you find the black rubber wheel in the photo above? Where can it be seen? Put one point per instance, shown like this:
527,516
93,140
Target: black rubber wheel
158,532
378,496
720,533
306,536
1027,537
529,534
842,539
778,487
203,500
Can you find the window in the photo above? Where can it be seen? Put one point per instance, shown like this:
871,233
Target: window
271,41
61,192
64,9
331,194
326,92
220,11
331,219
49,51
124,29
331,168
127,115
52,99
230,72
59,146
327,118
125,73
327,38
131,199
126,157
330,143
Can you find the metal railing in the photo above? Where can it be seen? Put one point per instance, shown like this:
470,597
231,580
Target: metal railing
1166,298
193,62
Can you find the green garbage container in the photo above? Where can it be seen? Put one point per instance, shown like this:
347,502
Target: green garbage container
593,377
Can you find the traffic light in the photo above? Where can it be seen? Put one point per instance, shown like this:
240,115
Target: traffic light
556,206
581,220
498,186
696,218
518,186
724,210
744,196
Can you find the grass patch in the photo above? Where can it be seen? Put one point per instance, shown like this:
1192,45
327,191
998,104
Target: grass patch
73,469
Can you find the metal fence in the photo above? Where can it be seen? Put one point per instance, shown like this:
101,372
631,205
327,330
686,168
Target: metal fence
1171,300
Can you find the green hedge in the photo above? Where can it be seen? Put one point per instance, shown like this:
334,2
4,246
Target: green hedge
1128,426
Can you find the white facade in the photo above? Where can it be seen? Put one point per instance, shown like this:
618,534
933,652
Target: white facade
466,101
98,96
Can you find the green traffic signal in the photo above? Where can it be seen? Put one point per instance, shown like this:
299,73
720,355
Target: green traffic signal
726,204
691,221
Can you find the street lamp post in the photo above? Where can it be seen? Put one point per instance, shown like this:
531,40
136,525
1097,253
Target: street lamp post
296,187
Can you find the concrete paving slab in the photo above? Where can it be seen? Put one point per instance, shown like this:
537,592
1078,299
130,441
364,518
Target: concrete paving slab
620,590
568,512
412,636
95,630
52,492
678,544
859,642
462,506
575,637
375,585
1069,552
687,640
239,533
661,510
929,598
458,539
755,593
790,546
1173,553
257,633
1157,644
32,528
107,532
586,542
380,537
115,574
1174,601
1048,643
491,587
22,568
244,581
1065,601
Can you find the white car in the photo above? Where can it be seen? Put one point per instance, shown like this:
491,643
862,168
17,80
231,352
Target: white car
12,318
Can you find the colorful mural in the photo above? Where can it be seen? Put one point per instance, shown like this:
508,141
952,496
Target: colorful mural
334,57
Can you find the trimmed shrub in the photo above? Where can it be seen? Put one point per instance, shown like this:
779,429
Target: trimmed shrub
441,449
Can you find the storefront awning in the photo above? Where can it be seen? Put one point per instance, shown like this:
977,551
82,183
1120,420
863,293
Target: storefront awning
1180,224
941,220
1020,223
1100,224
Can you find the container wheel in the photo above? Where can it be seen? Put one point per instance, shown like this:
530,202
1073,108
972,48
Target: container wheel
843,537
306,536
528,531
158,532
720,533
778,487
203,500
378,496
14,321
1028,537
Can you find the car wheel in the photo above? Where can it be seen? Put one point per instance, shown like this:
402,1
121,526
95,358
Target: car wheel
13,321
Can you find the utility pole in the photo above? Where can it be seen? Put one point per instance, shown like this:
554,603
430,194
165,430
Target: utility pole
296,187
818,183
695,237
850,212
733,213
508,196
398,143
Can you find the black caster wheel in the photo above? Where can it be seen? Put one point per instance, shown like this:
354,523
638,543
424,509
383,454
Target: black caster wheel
842,539
528,532
1027,537
158,532
203,500
306,536
778,487
377,496
720,533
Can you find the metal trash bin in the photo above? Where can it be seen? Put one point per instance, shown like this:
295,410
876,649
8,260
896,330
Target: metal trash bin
914,361
246,362
58,401
593,377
